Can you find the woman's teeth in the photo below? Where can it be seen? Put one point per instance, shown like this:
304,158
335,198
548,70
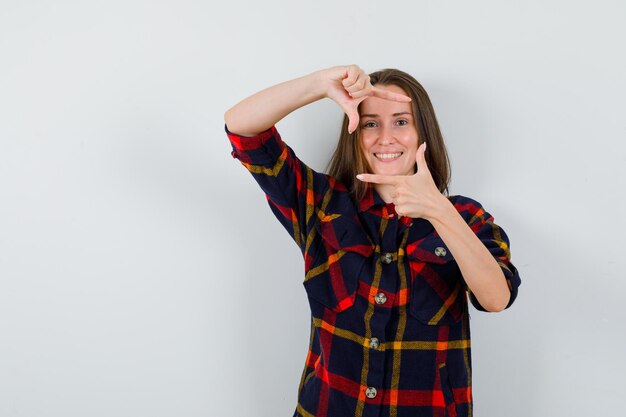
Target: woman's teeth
387,156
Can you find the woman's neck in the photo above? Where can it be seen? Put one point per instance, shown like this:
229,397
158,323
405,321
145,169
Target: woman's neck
384,190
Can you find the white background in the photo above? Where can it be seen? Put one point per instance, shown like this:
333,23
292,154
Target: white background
141,270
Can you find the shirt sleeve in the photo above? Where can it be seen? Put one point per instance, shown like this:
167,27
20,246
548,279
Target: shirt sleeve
292,189
495,239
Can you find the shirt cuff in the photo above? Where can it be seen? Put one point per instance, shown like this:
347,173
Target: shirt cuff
261,149
513,281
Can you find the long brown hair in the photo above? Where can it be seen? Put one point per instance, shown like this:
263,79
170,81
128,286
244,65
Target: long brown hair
348,160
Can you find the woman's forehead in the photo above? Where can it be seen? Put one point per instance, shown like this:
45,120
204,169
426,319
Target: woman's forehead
378,107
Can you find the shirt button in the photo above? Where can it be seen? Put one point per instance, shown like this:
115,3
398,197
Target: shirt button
370,392
440,251
386,258
380,298
374,343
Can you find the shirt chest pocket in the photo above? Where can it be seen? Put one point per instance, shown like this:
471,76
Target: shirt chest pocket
438,289
337,254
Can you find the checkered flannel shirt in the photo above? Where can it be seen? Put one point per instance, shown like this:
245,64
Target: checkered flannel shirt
389,312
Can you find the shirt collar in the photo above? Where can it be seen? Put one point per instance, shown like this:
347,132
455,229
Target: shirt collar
374,203
370,199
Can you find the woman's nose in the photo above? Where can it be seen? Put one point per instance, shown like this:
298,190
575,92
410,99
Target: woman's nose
386,137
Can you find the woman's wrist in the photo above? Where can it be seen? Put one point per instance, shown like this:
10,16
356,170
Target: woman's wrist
322,81
442,212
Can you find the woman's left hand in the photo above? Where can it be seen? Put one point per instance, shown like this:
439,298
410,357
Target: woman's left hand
413,195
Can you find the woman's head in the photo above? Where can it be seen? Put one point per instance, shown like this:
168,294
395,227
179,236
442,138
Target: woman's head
388,136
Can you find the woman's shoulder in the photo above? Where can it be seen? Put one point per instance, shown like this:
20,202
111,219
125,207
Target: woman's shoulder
463,200
469,208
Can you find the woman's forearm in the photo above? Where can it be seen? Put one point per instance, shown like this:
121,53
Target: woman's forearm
262,110
346,85
480,270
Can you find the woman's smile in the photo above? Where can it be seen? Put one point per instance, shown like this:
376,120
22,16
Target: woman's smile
388,157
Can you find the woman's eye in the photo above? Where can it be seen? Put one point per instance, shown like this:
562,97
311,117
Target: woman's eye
369,124
402,122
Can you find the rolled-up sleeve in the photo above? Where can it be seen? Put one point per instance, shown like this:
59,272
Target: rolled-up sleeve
495,240
262,150
291,187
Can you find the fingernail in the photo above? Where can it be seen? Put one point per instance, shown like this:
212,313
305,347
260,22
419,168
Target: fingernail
359,176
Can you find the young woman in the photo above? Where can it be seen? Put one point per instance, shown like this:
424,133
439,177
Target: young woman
390,258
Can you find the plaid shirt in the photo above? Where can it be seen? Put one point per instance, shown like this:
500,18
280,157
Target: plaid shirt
389,312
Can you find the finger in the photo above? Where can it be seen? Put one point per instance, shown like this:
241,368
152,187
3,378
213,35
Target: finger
350,108
359,84
351,76
353,120
388,95
358,90
420,158
379,179
357,78
364,93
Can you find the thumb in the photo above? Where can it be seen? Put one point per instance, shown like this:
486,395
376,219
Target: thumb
353,120
353,113
420,158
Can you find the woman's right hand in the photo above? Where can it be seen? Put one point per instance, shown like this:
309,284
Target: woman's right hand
349,85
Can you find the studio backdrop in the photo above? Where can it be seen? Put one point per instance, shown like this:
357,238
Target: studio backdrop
142,272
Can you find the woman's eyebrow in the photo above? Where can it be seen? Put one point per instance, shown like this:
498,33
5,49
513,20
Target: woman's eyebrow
394,115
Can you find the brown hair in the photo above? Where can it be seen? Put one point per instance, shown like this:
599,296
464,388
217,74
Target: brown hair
348,160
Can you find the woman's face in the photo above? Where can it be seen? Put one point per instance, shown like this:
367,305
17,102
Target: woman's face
388,136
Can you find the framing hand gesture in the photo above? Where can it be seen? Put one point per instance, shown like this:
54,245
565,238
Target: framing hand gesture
350,86
413,195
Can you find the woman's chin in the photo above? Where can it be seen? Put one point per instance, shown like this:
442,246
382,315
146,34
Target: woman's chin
388,172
